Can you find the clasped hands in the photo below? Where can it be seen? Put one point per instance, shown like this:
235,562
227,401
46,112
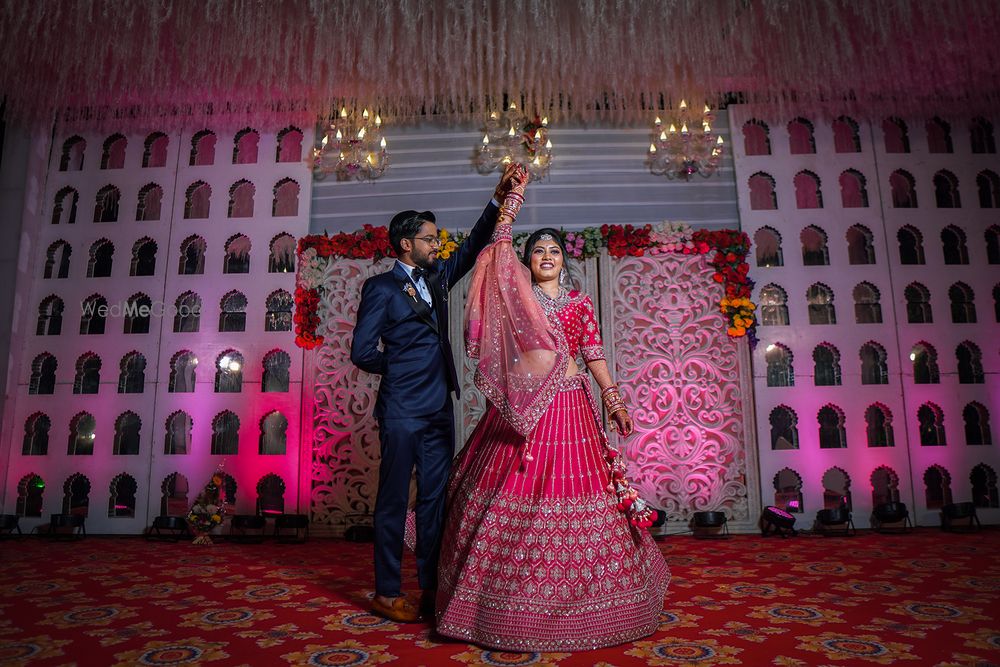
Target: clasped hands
514,179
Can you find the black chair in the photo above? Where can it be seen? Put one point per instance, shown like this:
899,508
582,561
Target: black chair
67,526
776,521
962,513
710,525
891,513
8,524
291,528
247,528
833,522
166,527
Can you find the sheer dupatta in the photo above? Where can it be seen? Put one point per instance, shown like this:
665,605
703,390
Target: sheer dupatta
520,358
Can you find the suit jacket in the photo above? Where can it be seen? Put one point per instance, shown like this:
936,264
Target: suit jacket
416,361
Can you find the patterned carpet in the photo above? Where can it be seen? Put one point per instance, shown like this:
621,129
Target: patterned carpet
926,598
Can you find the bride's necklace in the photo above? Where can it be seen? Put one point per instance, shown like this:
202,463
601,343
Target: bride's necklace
540,292
550,304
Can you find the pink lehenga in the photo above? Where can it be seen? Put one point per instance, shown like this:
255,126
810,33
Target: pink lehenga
537,552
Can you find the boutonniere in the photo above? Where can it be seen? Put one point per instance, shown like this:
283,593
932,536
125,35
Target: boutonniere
411,290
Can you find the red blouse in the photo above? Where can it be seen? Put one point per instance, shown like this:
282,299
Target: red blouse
575,314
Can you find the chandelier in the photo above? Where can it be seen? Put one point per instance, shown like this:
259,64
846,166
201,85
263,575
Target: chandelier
511,136
352,148
687,146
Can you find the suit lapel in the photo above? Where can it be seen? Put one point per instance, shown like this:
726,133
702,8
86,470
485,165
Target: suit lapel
440,298
414,301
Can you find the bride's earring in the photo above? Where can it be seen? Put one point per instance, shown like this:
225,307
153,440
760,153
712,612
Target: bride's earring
562,276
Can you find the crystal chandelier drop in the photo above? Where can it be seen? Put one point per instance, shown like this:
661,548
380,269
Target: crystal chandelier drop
510,136
352,148
685,145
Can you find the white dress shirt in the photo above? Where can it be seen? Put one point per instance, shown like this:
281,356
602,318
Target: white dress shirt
422,289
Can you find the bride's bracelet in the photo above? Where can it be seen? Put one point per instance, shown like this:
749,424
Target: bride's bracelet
503,232
510,207
612,399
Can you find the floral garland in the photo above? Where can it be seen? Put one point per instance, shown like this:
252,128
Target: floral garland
730,248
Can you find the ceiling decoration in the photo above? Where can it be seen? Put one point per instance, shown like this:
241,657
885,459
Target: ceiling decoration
621,61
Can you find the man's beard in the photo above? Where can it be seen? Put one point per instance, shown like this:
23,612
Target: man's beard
423,261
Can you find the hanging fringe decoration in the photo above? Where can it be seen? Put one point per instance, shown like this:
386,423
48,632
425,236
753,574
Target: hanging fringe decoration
239,62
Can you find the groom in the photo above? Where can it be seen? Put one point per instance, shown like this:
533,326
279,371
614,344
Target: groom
407,310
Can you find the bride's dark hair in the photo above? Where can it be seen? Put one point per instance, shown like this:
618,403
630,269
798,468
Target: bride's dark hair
557,237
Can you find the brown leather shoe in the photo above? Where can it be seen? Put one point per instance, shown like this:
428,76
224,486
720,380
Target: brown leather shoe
400,610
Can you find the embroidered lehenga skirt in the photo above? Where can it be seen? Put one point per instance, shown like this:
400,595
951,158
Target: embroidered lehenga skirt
536,555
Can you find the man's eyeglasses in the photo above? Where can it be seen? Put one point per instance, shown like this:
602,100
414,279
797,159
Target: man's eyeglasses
432,241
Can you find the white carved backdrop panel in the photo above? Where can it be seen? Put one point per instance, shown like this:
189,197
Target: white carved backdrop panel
345,447
684,378
680,374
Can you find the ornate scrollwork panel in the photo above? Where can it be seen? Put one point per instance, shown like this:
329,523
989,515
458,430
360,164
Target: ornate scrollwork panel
345,446
679,372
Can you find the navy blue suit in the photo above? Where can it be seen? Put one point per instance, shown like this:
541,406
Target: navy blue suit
414,408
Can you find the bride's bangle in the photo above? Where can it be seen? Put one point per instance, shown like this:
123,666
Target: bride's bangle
509,208
503,232
612,399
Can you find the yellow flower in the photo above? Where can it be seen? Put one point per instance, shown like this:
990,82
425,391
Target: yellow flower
216,518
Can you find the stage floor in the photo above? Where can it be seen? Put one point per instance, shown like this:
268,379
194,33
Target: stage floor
926,598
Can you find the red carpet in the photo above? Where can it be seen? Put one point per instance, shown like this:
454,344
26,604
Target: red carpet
926,598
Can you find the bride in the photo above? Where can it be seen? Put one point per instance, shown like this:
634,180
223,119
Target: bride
544,545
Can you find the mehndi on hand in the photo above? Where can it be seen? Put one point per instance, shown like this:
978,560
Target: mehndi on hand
617,411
